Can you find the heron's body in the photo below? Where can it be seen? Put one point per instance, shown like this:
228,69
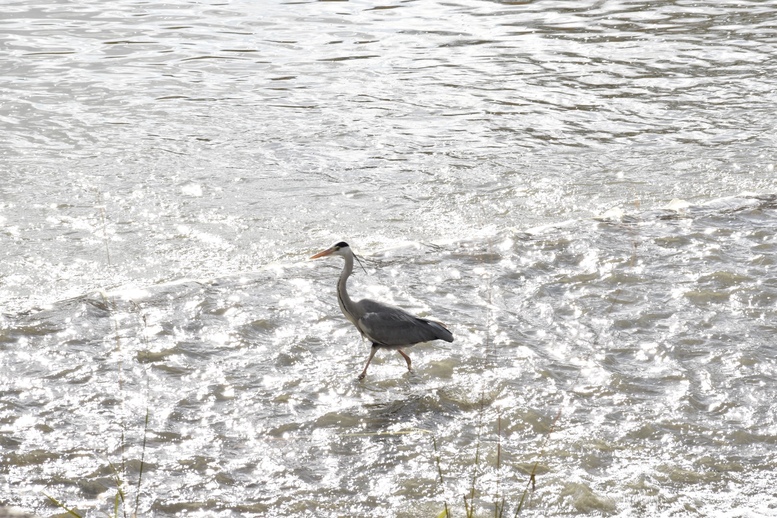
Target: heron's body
387,327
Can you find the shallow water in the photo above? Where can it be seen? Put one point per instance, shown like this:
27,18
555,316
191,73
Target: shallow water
584,192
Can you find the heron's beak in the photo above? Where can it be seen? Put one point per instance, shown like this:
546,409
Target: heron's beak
328,251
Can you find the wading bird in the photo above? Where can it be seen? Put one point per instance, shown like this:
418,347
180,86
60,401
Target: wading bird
387,327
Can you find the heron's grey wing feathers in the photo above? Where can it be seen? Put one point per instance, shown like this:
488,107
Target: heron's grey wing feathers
440,330
394,327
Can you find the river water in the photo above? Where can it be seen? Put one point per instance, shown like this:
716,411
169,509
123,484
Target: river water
583,191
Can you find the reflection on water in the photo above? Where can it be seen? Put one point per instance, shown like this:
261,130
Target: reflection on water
630,368
167,167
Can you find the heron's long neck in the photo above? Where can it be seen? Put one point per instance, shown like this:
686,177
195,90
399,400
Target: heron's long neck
346,304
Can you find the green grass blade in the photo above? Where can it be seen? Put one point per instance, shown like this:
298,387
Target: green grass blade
62,506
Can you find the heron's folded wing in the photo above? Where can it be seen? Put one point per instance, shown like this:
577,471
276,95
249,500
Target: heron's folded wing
395,327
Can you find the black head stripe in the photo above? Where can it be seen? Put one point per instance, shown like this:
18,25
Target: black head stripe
341,244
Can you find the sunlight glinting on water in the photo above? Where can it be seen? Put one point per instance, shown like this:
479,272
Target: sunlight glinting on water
573,188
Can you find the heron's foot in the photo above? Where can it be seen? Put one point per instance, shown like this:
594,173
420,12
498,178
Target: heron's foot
362,375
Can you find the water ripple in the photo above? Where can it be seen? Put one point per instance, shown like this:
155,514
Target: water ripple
507,167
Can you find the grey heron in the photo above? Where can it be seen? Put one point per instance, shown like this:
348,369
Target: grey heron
387,327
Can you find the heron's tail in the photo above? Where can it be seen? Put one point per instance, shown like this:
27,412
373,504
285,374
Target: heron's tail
440,331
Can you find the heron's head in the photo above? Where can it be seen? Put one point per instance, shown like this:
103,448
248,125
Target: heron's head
342,249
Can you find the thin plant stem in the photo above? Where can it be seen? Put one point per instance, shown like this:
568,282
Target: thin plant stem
142,459
439,472
59,504
498,510
470,505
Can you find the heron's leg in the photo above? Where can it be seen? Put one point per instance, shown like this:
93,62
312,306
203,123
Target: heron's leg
372,353
406,357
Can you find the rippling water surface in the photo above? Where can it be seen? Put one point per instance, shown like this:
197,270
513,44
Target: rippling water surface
583,191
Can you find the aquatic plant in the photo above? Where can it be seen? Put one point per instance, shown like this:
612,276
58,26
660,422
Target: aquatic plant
119,474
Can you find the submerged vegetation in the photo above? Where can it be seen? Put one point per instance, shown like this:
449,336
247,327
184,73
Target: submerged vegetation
126,494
